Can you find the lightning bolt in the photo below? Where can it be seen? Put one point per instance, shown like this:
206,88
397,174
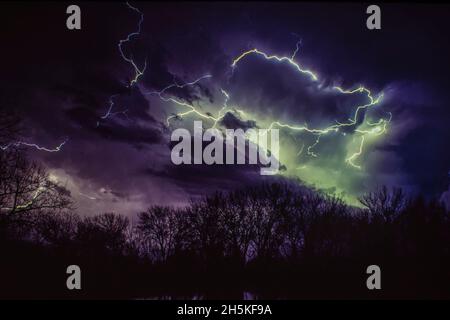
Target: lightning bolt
24,206
87,196
297,47
191,108
33,145
138,72
110,113
355,155
276,58
179,86
378,128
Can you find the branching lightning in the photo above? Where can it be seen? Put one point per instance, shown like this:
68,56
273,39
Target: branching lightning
377,129
138,72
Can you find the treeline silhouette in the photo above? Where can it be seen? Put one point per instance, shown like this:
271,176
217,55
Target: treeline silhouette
275,241
279,240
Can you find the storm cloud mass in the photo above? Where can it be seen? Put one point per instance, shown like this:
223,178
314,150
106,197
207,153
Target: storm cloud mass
75,86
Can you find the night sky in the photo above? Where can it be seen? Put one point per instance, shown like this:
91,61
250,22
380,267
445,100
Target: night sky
61,83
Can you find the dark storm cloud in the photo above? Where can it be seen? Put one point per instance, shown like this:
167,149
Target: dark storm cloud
199,180
231,121
202,179
130,134
420,136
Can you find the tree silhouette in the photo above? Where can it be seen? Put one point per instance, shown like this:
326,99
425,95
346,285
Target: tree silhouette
159,227
278,239
25,187
103,232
